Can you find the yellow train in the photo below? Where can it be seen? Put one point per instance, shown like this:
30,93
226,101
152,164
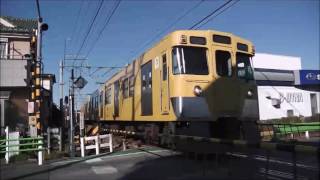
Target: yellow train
192,82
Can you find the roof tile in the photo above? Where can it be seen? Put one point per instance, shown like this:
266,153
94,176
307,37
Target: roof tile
21,24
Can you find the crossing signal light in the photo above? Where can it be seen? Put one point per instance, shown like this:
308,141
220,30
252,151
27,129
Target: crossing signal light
44,26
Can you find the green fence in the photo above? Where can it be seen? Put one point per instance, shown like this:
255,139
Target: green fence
28,144
298,127
291,130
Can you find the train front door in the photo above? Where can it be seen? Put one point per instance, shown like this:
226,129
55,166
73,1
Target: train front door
116,99
164,85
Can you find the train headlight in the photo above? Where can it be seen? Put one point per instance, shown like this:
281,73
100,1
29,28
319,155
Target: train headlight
250,93
197,90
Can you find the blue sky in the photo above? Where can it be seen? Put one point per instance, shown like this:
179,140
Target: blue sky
285,27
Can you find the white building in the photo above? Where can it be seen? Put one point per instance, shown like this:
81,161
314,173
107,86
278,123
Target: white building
279,94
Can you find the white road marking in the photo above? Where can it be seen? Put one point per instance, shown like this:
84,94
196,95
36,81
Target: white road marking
104,169
59,163
281,174
93,160
64,162
262,158
135,153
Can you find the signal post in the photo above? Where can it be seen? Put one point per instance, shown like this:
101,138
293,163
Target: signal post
34,105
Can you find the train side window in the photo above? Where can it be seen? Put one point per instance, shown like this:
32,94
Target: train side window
125,88
101,98
131,86
108,96
223,63
164,67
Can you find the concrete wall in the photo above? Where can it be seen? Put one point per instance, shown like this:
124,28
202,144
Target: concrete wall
16,109
13,73
271,61
291,98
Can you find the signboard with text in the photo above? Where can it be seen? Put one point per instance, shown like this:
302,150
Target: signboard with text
307,77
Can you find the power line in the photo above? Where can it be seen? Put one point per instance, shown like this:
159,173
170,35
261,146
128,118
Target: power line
82,26
89,30
170,26
108,18
218,14
212,13
77,21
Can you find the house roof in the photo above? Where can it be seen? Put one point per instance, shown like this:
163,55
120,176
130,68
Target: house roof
9,24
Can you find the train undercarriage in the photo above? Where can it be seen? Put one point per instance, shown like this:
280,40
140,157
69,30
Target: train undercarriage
160,133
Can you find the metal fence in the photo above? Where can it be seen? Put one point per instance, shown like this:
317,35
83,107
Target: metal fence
95,142
30,144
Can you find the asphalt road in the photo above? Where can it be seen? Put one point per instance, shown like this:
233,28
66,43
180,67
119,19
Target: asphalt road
165,164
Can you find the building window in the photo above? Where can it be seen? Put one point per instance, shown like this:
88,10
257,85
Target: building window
3,48
290,113
223,63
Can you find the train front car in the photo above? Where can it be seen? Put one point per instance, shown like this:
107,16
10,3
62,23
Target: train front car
212,89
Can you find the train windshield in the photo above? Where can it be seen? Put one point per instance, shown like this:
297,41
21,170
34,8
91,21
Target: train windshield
244,69
190,60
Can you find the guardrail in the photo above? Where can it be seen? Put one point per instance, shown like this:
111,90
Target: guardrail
96,142
36,141
271,146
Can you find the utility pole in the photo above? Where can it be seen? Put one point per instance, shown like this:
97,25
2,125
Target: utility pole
61,129
72,119
71,97
61,86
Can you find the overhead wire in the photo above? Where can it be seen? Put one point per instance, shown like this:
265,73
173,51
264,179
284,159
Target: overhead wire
77,22
209,15
90,28
108,19
78,31
168,27
208,20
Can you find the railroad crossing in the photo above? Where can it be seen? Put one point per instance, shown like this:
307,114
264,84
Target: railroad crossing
159,90
156,163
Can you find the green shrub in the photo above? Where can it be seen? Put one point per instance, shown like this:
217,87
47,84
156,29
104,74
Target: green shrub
22,156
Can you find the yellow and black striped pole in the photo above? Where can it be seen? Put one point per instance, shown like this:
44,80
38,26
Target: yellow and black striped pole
37,88
32,108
